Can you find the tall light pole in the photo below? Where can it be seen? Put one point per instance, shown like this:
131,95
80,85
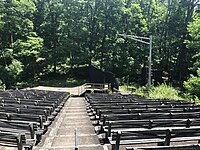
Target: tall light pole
148,41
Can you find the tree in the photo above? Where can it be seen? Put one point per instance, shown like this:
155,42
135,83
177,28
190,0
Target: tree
192,85
193,43
18,38
61,35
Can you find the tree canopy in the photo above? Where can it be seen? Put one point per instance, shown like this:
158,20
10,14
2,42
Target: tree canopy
38,37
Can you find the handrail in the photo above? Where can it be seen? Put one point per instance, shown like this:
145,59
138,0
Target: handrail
84,87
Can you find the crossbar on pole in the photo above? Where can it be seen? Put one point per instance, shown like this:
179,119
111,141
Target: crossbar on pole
133,36
140,41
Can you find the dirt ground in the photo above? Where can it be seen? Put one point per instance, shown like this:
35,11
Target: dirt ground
72,91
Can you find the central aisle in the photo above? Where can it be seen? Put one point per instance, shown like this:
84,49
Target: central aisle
60,135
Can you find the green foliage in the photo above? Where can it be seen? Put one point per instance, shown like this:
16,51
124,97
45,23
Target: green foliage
10,74
194,31
20,46
15,68
2,85
192,85
13,71
30,47
45,35
141,91
196,100
125,88
194,43
164,91
133,90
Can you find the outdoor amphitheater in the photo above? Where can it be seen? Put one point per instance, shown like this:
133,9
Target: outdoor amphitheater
45,118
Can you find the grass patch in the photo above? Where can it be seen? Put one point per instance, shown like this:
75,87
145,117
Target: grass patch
126,89
163,91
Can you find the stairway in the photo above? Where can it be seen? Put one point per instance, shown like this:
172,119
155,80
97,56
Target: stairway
61,134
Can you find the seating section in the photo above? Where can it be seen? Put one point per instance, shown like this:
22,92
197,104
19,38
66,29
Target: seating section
26,114
144,124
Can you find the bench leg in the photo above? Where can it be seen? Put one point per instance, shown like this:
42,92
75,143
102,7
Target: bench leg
113,147
38,138
108,134
117,141
198,141
19,142
41,121
167,138
197,147
32,131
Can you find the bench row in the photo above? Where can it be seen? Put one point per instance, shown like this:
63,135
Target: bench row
129,120
23,124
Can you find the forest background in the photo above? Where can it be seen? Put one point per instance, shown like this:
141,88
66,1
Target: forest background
44,39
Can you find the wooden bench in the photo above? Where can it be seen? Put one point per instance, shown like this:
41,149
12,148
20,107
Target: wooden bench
145,102
26,115
173,147
37,93
38,119
29,129
21,109
101,112
112,126
149,116
48,109
8,139
161,136
111,110
103,108
138,106
132,98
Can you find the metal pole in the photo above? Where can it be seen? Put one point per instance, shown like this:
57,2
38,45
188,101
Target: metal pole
76,139
140,39
150,58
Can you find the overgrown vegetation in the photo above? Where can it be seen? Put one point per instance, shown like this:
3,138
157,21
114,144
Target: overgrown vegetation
192,86
191,91
162,91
